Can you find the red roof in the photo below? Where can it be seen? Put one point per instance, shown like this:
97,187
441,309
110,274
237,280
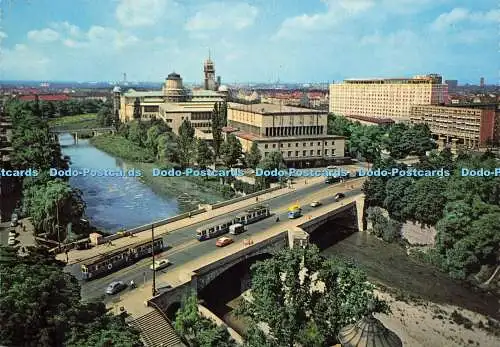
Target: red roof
229,129
45,97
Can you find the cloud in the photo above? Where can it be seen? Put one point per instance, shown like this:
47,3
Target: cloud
218,15
44,35
27,63
2,36
66,28
142,13
459,15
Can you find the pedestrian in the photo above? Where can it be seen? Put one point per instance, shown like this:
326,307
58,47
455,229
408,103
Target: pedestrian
256,199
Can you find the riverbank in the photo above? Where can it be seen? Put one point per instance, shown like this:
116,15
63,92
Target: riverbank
190,191
80,121
427,324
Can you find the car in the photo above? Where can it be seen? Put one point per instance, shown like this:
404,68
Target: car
13,223
315,203
224,241
12,241
160,264
115,287
339,196
12,233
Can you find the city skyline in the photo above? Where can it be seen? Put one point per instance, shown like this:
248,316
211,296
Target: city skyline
98,41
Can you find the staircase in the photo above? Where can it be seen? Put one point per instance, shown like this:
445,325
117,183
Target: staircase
157,331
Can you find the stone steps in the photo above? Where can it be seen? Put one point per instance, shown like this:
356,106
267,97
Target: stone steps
157,331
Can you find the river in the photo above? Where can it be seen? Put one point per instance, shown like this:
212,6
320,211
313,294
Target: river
114,203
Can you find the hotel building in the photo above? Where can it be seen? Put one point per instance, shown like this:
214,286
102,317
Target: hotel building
173,104
386,98
299,134
468,125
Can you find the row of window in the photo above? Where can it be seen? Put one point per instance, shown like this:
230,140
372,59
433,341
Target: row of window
295,131
304,144
304,153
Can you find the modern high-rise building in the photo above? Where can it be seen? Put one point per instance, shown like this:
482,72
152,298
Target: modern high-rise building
300,134
386,97
468,125
452,85
481,82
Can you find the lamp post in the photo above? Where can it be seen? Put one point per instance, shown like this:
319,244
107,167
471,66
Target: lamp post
153,255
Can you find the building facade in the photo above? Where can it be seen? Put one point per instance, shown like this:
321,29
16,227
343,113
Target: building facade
299,134
173,104
386,98
468,125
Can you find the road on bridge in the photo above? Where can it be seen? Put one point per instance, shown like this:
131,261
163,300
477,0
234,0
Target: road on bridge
184,247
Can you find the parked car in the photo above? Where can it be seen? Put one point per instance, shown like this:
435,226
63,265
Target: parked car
160,264
12,241
115,287
224,241
315,203
339,196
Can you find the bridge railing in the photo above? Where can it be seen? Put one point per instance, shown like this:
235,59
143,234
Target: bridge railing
241,198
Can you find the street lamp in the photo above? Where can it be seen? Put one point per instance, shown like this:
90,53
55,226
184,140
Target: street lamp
153,255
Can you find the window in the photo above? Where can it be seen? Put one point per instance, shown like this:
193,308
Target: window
319,152
281,145
319,143
274,145
289,153
266,145
151,108
304,144
311,152
326,152
333,142
296,153
296,144
289,145
265,154
304,153
311,144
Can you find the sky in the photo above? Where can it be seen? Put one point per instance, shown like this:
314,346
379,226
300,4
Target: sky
250,41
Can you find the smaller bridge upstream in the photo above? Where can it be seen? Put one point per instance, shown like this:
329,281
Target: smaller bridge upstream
56,131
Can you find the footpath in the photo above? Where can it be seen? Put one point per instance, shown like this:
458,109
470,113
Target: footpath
77,256
135,301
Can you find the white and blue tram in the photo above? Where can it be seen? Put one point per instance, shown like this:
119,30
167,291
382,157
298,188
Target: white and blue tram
103,264
216,229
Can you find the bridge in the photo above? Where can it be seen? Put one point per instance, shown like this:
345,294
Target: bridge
56,131
201,271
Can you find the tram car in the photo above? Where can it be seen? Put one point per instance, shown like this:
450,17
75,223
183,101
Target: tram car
104,264
251,215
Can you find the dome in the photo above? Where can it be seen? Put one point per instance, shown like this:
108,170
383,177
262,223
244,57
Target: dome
369,331
174,76
223,88
116,89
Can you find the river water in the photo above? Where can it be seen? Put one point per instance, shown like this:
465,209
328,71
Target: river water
114,203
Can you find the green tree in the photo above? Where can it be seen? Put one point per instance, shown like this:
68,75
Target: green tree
185,143
397,143
217,124
152,136
137,109
200,331
167,149
274,160
105,116
421,138
40,306
204,155
339,125
426,200
253,157
396,193
366,142
52,202
305,298
137,133
231,151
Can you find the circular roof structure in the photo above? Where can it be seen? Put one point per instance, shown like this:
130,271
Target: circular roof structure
117,89
369,331
174,76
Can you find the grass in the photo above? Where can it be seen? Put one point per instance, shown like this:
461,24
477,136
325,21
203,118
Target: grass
79,121
119,146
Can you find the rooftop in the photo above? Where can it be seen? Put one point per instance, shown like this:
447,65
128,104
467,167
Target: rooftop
272,109
253,137
376,120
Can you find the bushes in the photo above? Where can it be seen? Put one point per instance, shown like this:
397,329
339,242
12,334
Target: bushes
245,187
387,229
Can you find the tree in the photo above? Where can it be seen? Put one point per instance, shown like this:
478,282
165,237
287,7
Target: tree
396,193
339,125
397,143
204,155
137,109
104,116
305,298
167,149
426,200
217,124
40,306
253,157
200,331
53,202
231,151
274,160
421,138
366,142
185,143
137,133
152,136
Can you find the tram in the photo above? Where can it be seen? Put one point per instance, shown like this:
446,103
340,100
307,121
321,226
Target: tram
104,264
251,215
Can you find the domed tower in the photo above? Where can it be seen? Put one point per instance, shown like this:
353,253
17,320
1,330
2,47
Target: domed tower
368,332
173,89
209,70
